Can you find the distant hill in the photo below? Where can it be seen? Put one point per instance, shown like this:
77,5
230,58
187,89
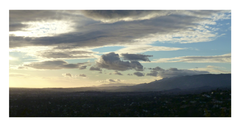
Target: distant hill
203,82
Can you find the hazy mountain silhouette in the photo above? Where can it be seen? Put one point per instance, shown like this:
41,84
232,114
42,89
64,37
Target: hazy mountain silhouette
192,83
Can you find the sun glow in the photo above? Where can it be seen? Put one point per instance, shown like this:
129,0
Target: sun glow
12,58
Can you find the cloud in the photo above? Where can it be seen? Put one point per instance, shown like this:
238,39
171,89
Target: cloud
22,67
173,72
225,58
166,26
110,16
17,26
117,73
82,75
67,75
66,54
82,67
18,16
212,69
145,48
52,65
17,75
12,58
95,69
112,61
110,81
136,57
157,69
153,73
139,74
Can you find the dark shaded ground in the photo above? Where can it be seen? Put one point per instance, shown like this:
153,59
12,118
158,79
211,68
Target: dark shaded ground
45,103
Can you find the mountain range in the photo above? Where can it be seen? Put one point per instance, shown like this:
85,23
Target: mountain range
183,84
174,85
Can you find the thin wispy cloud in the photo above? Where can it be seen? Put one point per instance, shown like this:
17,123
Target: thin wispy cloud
66,54
17,75
52,65
212,69
225,58
146,48
110,81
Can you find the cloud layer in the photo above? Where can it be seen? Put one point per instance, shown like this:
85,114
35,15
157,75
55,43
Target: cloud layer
148,27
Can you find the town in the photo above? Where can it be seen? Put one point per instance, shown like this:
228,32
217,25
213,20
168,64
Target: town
215,103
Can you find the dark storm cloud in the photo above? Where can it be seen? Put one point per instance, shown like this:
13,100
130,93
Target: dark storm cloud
100,34
174,72
136,57
95,69
112,61
54,64
138,74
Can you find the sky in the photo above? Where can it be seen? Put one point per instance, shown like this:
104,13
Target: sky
82,48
